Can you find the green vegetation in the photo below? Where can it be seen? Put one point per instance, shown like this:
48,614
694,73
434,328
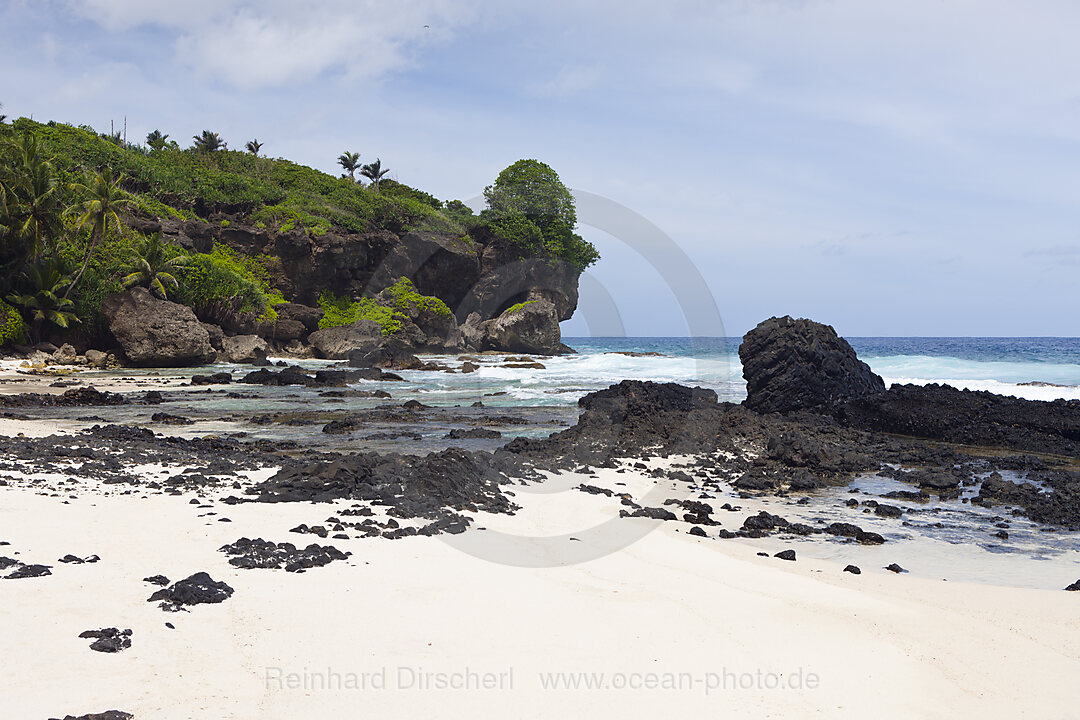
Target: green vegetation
374,172
208,142
349,161
42,301
222,285
343,311
403,300
12,326
68,193
405,297
529,207
519,306
531,188
155,268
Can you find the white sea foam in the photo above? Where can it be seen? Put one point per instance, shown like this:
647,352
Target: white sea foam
1029,392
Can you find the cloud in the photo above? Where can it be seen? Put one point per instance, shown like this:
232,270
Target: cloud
571,81
251,44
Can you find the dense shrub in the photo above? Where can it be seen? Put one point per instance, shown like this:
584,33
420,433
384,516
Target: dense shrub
403,299
223,284
340,311
12,327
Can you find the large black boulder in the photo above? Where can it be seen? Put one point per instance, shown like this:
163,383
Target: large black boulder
800,364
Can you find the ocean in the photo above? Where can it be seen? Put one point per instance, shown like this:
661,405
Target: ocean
1033,368
546,399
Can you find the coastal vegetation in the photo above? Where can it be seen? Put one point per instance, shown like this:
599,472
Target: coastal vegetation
75,203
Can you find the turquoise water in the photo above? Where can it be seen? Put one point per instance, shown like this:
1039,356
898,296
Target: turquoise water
1001,365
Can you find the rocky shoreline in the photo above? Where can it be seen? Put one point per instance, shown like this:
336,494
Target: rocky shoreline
815,417
815,422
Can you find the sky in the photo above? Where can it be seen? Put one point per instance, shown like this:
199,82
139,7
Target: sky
896,168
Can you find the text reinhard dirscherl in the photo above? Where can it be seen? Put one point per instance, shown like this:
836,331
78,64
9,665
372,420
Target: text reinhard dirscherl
404,678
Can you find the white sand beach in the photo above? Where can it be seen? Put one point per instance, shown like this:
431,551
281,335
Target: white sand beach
670,624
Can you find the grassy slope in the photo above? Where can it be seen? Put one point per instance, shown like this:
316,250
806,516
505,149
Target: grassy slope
277,193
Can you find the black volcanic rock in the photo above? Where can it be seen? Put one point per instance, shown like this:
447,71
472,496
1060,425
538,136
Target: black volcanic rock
258,553
108,640
941,412
76,397
194,590
800,364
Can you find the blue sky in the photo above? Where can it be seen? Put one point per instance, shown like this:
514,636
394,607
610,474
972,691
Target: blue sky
891,168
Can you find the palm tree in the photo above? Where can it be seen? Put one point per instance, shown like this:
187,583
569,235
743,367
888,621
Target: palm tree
254,146
43,302
105,199
157,140
154,268
374,172
209,141
30,195
350,161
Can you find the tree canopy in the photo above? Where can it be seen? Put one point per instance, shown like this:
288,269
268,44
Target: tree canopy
533,189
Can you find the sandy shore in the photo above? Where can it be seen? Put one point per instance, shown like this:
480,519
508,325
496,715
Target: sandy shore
667,625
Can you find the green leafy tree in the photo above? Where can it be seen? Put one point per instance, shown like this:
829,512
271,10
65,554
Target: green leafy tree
374,172
157,140
104,200
30,203
155,267
533,189
209,142
350,161
254,146
42,301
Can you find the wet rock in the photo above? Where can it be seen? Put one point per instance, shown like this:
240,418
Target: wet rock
698,531
785,555
853,569
76,560
895,568
157,580
167,419
197,589
930,479
288,376
869,538
1074,587
108,640
343,426
219,378
888,511
473,434
764,521
906,495
76,397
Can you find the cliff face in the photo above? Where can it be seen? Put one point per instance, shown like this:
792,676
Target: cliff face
469,276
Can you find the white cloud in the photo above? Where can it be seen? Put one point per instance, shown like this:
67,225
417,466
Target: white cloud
278,42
